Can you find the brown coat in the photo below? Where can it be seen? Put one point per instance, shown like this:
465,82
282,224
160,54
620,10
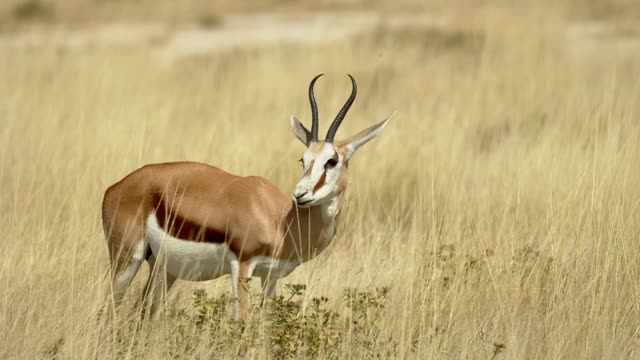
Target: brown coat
258,219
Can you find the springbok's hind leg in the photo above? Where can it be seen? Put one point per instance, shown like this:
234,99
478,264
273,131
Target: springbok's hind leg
122,277
155,290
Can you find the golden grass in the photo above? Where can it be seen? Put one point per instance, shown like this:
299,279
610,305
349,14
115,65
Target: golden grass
21,14
500,205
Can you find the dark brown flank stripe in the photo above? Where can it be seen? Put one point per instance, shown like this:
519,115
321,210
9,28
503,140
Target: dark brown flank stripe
185,229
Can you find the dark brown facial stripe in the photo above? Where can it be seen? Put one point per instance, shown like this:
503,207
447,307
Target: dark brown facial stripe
309,168
320,182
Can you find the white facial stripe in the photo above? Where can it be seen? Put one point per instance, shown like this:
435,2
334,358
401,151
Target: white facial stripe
317,160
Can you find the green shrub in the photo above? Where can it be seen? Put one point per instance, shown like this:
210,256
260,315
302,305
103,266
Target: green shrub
287,326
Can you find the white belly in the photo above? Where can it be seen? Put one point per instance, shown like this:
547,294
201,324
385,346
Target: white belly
197,261
188,260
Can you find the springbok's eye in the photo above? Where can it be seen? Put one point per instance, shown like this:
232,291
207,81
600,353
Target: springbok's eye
331,163
301,162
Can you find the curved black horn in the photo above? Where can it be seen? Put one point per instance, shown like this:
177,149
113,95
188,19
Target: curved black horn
338,120
314,110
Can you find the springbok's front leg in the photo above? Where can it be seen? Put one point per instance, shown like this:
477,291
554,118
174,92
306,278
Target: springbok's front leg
240,289
268,284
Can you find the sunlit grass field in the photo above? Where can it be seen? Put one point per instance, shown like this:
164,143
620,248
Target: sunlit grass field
500,207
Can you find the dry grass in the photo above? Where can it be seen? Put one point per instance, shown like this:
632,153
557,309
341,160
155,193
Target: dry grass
20,14
500,206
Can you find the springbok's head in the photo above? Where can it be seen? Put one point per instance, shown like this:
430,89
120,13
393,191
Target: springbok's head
325,162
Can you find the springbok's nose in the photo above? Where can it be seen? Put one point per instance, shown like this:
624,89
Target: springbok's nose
298,196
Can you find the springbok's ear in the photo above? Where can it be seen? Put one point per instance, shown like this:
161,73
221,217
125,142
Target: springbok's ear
300,131
350,145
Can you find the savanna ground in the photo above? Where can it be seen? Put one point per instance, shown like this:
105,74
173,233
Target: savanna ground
495,217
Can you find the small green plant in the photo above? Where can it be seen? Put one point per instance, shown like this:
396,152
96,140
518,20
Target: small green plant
209,308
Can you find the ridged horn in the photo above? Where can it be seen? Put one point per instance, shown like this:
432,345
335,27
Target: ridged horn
314,110
343,112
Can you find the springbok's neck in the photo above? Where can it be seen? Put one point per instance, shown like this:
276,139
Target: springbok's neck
310,230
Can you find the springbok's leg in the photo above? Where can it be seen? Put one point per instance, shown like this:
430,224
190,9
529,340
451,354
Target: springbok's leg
240,289
123,275
235,279
268,284
158,285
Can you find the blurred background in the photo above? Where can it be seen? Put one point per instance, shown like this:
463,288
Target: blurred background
499,207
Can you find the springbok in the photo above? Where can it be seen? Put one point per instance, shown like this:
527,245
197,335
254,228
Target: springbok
196,222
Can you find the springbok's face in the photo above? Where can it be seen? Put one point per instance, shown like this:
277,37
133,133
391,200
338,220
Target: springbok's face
324,163
322,169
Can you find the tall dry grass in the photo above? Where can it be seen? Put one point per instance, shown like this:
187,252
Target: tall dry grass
500,206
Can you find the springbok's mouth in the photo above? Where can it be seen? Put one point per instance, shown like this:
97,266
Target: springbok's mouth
300,203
